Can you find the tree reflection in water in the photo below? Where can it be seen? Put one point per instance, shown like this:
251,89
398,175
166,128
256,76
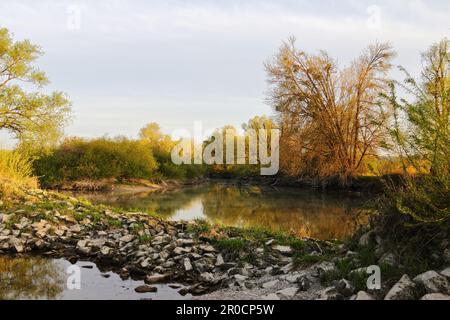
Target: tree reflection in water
302,211
30,278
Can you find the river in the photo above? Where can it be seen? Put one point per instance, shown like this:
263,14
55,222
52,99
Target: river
304,212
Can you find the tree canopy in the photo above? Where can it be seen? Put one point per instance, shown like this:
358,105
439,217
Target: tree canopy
29,116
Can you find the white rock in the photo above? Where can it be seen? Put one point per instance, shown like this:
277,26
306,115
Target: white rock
272,296
435,296
181,250
288,292
156,277
446,273
106,251
219,260
433,282
127,238
187,264
82,246
207,248
362,295
207,277
270,284
323,267
286,250
185,242
292,278
287,268
17,244
404,289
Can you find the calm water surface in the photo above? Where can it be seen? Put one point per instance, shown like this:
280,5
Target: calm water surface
35,278
305,212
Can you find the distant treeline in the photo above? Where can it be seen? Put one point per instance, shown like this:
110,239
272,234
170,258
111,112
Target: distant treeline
148,157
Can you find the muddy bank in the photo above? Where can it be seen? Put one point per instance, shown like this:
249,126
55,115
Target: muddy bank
123,185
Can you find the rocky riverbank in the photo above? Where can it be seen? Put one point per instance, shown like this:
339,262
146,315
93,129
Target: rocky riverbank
211,262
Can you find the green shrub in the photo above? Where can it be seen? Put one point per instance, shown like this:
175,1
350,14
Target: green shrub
78,159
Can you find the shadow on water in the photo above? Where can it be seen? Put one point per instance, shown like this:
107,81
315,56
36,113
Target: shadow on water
305,212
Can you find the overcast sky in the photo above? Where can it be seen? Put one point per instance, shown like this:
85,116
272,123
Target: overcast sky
126,63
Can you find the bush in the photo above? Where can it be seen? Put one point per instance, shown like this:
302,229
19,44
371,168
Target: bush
102,158
15,172
423,142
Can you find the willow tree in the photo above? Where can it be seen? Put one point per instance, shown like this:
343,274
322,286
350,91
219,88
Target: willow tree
331,119
29,116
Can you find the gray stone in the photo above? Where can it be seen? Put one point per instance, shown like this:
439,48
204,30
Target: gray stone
362,295
187,264
358,271
388,259
404,289
270,284
288,292
433,282
292,278
164,255
155,278
365,239
240,279
329,293
145,264
106,251
18,244
127,238
287,268
83,247
219,260
285,250
272,296
207,277
240,271
304,283
207,248
435,296
446,273
344,287
181,250
323,267
185,242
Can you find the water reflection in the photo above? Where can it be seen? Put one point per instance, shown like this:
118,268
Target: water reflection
31,278
304,212
34,278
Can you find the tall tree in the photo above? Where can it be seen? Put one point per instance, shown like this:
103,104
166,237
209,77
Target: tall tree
331,119
27,114
421,136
